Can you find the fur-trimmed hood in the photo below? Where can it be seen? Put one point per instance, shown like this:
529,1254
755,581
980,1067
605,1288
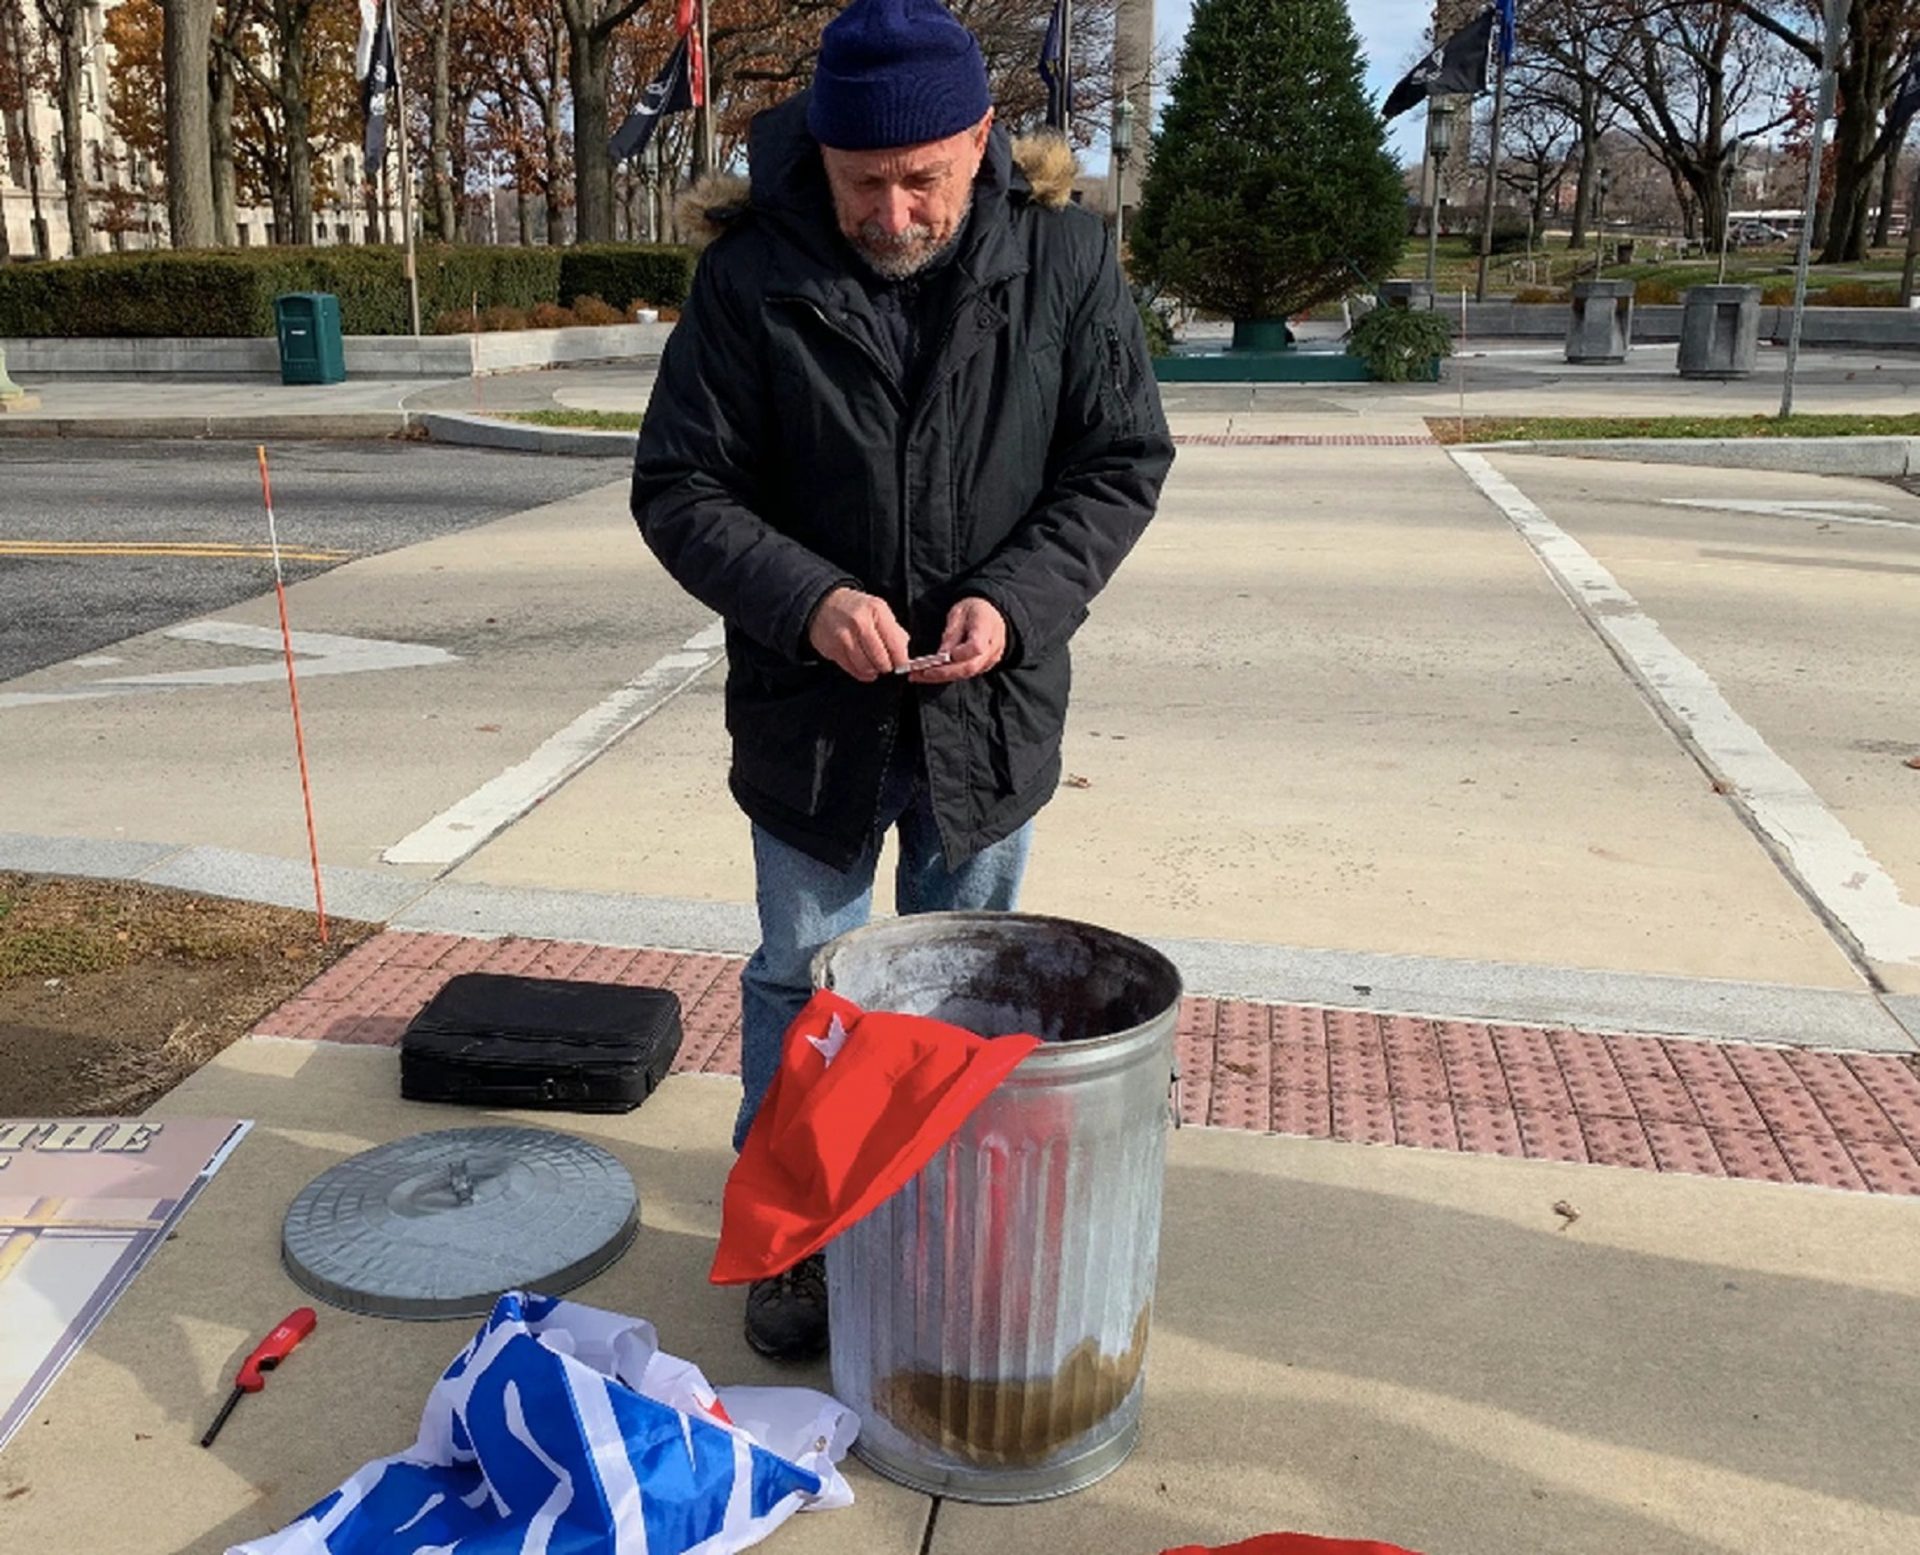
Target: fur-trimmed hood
1043,169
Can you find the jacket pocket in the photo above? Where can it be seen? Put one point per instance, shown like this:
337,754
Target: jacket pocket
1027,716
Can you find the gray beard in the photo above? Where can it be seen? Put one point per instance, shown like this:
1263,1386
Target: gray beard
904,264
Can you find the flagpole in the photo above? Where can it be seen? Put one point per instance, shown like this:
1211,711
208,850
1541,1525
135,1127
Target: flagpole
707,148
1493,169
1430,188
1829,62
406,175
1066,71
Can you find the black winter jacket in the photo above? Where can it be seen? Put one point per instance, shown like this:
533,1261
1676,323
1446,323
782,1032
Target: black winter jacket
780,459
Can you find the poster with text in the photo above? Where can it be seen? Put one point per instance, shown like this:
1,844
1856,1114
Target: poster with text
83,1204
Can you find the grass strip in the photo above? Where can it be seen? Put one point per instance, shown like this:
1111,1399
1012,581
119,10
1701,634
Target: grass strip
587,420
1546,429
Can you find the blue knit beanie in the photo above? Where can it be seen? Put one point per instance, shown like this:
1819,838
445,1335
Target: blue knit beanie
895,73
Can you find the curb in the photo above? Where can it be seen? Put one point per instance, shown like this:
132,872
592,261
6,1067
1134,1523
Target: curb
341,425
1880,458
458,430
1381,983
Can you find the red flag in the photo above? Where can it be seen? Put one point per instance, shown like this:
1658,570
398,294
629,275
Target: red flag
860,1103
1293,1544
684,21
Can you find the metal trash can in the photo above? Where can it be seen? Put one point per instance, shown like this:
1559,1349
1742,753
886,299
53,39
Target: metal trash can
1417,295
1601,329
312,349
1719,331
990,1321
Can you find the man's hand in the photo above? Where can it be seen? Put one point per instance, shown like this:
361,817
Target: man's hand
858,632
975,641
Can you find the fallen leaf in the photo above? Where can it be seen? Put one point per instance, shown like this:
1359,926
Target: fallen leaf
487,728
1720,788
1914,762
1074,780
1567,1213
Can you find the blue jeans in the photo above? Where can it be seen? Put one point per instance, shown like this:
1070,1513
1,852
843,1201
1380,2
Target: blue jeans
803,904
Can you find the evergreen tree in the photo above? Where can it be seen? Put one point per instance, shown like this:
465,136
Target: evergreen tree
1271,188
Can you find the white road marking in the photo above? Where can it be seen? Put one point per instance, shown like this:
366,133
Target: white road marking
1820,511
456,832
320,653
1829,862
97,661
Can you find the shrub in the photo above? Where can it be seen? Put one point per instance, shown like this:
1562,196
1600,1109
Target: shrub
226,292
499,318
659,271
1654,291
450,322
1540,294
1401,344
1855,294
1271,188
1159,329
1511,232
1777,296
596,311
549,315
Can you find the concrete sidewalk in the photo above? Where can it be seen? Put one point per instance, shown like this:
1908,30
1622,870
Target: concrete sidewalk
1405,1345
1489,377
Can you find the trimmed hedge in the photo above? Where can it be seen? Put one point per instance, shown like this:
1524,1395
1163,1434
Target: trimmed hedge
620,273
230,292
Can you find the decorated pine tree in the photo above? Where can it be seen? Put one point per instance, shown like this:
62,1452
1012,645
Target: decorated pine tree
1271,188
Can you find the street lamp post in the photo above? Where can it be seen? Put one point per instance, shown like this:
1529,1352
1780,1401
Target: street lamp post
1439,143
1121,140
1603,178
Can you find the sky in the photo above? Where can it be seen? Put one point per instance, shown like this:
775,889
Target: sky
1391,31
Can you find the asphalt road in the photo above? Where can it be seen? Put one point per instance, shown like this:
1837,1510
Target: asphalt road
100,541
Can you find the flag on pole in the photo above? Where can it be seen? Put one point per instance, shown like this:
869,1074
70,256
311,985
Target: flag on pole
669,92
1055,68
1906,97
681,85
1508,17
686,21
373,64
1455,68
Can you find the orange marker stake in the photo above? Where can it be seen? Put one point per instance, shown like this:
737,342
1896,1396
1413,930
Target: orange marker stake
293,694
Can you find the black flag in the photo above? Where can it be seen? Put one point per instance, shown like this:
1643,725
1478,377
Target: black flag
376,78
1456,68
1906,97
1055,69
669,92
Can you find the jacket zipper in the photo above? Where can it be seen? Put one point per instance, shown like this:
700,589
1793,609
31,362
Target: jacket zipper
1122,405
892,731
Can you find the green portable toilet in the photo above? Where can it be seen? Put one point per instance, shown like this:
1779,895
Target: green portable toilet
312,349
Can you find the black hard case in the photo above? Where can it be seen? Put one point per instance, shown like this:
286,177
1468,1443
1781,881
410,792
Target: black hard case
497,1041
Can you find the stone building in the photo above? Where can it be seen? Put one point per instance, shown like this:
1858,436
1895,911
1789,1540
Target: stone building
127,199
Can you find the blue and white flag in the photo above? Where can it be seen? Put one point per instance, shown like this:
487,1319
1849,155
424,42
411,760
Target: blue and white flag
565,1428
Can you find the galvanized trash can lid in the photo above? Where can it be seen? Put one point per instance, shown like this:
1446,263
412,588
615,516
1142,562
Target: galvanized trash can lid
438,1225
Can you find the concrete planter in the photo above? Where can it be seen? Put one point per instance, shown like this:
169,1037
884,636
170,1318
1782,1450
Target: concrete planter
1600,328
368,356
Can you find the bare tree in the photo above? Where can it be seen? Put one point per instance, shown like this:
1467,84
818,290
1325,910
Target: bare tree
1880,34
1571,62
1689,74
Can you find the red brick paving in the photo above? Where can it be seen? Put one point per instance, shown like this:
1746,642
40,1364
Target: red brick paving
1849,1121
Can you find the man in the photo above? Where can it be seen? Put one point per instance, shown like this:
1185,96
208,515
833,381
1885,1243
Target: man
906,416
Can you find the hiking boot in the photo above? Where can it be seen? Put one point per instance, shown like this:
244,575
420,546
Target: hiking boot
787,1315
